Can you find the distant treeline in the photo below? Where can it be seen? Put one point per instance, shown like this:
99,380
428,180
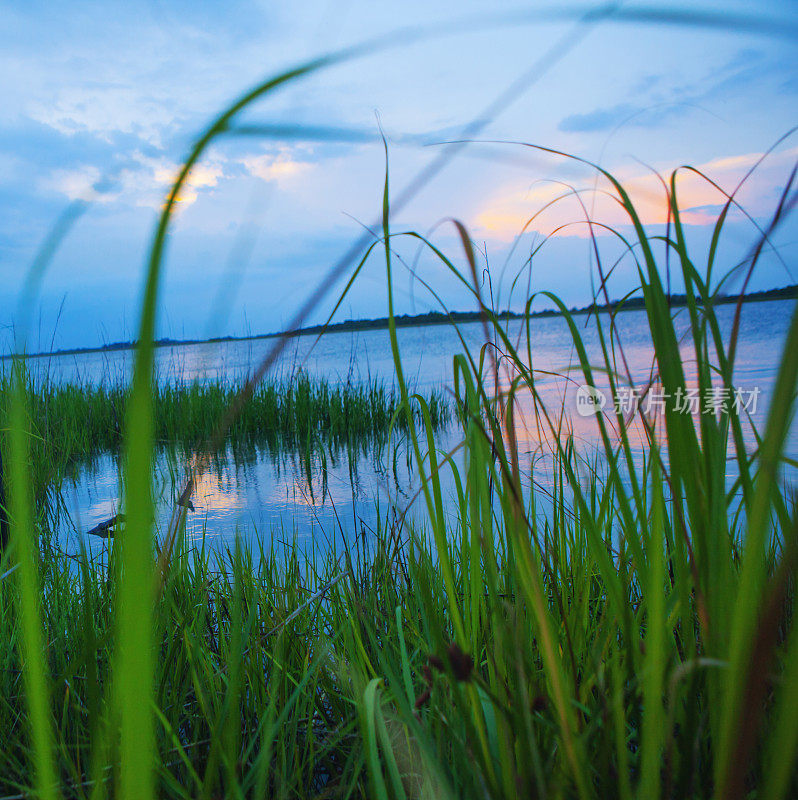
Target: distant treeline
430,318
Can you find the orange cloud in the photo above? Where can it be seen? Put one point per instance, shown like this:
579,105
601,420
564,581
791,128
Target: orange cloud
506,213
201,176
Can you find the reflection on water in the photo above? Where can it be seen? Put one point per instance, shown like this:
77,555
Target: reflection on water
336,492
255,493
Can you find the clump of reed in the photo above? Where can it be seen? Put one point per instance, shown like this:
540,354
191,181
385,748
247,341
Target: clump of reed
250,670
71,423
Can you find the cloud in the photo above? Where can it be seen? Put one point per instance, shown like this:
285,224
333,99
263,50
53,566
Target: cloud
275,167
104,111
601,119
142,181
77,184
653,105
202,176
506,213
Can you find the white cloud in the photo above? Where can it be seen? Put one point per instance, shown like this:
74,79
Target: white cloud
144,181
277,167
77,184
103,111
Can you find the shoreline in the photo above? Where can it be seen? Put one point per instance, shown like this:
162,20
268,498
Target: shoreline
411,321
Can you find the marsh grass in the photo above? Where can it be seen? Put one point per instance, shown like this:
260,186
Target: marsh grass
73,423
636,641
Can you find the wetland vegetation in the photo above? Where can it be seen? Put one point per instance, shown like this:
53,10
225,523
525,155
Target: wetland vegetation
636,640
629,632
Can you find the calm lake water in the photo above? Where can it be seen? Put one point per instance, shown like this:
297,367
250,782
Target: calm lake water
260,493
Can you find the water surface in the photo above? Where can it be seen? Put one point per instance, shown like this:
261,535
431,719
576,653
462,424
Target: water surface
254,492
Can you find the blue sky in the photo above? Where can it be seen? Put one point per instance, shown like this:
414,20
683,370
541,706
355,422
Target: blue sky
100,102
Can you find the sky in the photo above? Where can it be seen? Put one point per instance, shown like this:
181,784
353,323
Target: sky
100,103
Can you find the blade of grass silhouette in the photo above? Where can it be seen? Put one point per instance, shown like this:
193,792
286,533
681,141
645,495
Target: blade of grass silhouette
134,659
554,54
238,260
323,133
25,542
435,513
35,274
747,605
138,459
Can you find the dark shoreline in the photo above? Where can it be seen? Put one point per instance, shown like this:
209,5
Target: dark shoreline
416,320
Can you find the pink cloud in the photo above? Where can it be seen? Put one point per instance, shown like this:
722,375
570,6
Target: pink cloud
506,212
